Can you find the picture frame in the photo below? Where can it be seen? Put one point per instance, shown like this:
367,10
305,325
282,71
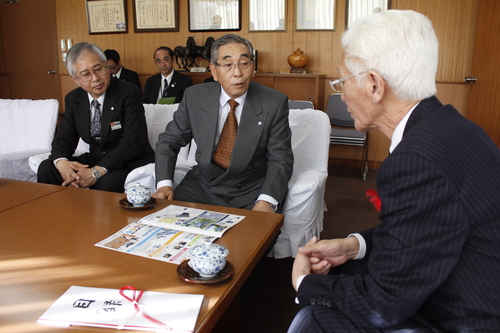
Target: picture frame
106,16
156,15
315,15
358,8
214,15
267,15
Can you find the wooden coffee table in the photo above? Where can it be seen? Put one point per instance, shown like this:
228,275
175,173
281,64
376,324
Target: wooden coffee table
47,245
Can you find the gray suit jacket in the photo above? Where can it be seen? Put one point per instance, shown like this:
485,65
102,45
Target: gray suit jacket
262,153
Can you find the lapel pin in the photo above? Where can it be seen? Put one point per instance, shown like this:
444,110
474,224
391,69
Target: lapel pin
260,123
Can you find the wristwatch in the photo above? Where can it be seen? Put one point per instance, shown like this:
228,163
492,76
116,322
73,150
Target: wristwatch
273,206
96,174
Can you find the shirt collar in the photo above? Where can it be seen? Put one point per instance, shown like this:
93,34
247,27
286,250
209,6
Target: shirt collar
397,136
224,98
119,72
100,99
168,77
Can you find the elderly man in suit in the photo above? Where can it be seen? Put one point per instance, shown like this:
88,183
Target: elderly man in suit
167,83
114,63
254,172
432,263
109,116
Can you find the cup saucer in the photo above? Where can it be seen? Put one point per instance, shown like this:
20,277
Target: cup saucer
124,203
190,275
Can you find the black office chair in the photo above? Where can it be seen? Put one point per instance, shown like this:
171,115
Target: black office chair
340,117
294,104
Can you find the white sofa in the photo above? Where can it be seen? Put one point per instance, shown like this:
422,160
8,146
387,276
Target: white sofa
304,204
26,129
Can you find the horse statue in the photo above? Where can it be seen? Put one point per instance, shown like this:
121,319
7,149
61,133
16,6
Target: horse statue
185,53
205,50
191,51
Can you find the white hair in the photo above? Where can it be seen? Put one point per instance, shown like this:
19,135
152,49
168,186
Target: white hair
400,45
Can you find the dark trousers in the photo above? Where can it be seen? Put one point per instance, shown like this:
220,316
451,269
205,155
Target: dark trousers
318,318
112,181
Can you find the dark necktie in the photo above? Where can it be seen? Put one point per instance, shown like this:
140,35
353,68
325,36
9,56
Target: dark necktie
222,154
165,89
95,126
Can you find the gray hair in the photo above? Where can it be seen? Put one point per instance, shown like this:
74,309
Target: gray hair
76,51
400,45
230,39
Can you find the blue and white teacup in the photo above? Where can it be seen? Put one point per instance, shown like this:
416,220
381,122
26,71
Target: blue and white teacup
138,195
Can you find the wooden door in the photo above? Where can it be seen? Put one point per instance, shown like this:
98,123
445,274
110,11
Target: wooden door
31,49
483,106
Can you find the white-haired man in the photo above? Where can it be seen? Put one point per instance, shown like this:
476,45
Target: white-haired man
431,264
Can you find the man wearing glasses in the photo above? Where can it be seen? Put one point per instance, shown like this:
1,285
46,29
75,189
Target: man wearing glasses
106,114
431,264
167,83
248,119
116,69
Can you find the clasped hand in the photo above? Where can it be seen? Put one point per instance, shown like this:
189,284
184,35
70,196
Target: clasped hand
75,174
317,257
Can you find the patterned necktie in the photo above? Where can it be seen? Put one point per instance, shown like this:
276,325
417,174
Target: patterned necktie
222,154
165,92
95,126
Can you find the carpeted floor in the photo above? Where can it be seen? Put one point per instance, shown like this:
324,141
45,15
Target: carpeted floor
267,299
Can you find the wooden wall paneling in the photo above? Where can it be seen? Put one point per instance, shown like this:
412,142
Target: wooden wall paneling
454,22
484,98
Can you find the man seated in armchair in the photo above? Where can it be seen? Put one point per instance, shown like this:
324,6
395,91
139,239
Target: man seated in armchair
250,169
109,116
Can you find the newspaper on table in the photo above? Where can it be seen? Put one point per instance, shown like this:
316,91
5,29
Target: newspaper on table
124,309
168,234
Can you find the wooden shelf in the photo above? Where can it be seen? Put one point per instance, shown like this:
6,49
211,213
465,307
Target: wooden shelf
308,87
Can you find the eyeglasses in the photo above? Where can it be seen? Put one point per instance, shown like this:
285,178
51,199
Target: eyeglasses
244,65
338,85
112,67
98,71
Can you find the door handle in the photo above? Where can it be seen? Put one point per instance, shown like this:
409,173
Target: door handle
470,79
51,71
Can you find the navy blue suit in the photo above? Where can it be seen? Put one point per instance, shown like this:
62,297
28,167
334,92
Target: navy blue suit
178,84
435,258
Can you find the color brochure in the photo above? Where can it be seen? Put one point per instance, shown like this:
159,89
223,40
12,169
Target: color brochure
102,307
168,234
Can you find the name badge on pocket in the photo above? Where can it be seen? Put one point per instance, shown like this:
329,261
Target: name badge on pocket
116,125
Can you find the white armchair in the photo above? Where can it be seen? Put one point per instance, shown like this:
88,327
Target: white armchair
157,117
304,204
27,128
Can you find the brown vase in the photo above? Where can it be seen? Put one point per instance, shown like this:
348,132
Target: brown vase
298,59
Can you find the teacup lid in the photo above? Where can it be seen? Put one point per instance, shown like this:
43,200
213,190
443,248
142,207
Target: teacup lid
138,187
208,251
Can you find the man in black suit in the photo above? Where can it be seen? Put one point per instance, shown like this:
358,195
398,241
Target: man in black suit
117,70
108,115
433,262
167,83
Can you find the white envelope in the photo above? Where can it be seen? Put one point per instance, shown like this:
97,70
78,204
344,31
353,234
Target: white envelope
101,307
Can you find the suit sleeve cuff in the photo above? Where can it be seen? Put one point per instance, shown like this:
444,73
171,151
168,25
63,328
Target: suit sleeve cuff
362,246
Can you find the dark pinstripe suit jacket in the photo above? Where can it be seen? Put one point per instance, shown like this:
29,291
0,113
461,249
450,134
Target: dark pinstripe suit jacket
436,253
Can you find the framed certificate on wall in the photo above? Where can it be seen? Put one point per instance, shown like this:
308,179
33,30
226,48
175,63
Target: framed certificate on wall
106,16
156,15
214,15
